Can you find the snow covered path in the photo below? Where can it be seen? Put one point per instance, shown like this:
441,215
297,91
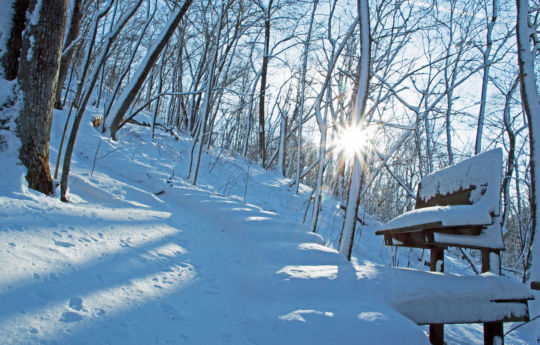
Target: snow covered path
140,256
189,267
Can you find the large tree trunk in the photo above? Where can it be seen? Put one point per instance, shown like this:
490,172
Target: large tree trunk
71,35
38,75
322,119
10,60
132,89
125,72
531,106
347,234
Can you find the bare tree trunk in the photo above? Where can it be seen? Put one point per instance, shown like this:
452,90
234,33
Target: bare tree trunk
71,35
206,105
10,60
282,141
128,65
511,162
322,119
82,79
266,57
88,93
131,91
250,116
38,75
347,234
302,97
531,106
320,172
487,63
160,88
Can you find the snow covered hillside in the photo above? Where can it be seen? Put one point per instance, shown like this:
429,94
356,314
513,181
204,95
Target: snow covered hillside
140,256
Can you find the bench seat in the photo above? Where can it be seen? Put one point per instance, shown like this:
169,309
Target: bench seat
447,298
441,226
447,216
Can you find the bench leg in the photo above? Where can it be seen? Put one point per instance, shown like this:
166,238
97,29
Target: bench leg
436,264
493,333
491,261
436,334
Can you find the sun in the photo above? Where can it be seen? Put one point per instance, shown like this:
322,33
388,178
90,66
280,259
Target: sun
351,141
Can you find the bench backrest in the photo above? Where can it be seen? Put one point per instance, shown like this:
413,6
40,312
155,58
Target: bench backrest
474,181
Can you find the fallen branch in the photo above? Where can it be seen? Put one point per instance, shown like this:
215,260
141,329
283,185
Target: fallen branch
169,130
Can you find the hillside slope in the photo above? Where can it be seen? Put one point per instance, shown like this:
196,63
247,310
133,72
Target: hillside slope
140,256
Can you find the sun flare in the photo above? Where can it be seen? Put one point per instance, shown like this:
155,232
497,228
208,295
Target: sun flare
351,141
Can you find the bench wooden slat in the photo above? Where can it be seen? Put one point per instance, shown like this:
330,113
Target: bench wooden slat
471,230
422,236
412,228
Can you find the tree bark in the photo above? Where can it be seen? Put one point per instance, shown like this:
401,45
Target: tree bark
71,35
531,106
262,145
347,234
302,98
10,60
38,76
486,54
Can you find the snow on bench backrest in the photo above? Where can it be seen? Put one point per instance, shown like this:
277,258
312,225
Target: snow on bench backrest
474,181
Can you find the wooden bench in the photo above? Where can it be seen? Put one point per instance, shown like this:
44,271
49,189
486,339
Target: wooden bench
459,206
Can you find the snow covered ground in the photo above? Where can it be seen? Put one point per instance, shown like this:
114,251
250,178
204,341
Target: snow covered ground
140,256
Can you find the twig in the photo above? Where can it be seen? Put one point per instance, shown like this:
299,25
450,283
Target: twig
344,208
522,324
95,158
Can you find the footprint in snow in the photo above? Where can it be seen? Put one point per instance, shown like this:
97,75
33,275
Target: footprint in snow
76,303
125,243
63,244
70,316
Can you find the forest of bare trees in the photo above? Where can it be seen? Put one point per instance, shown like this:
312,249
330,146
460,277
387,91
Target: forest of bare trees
423,84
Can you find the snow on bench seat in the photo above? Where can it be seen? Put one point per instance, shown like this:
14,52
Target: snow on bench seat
447,299
431,297
446,216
